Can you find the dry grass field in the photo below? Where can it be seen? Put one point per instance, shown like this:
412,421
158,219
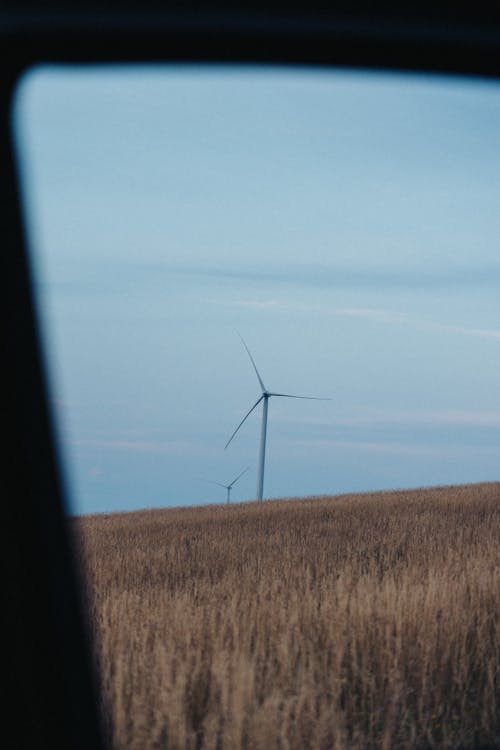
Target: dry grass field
351,622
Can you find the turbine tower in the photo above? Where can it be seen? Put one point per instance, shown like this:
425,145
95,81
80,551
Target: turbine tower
229,487
266,395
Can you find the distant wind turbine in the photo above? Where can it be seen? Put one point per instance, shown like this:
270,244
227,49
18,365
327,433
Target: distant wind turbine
265,399
229,487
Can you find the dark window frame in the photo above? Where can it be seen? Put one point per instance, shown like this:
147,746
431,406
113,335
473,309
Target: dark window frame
46,650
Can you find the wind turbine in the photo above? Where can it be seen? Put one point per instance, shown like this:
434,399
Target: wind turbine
266,395
229,487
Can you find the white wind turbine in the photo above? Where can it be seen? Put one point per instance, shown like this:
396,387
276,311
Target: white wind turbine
228,487
265,399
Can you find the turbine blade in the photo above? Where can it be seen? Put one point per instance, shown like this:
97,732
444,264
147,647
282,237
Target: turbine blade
211,481
309,398
239,475
246,415
263,387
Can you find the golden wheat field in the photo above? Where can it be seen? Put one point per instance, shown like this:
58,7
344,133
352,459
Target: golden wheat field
350,622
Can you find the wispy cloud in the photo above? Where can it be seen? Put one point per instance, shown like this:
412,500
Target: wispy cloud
403,417
375,315
399,318
259,304
483,333
139,446
401,449
98,275
331,275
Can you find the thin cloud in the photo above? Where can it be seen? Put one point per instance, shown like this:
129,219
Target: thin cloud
375,315
265,304
483,333
400,449
139,446
403,417
327,275
388,316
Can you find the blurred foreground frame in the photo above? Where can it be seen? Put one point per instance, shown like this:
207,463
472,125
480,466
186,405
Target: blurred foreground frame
46,655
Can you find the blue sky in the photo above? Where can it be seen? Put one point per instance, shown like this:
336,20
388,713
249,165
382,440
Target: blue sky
347,224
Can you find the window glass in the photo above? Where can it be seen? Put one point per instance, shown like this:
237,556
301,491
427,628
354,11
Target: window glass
344,224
